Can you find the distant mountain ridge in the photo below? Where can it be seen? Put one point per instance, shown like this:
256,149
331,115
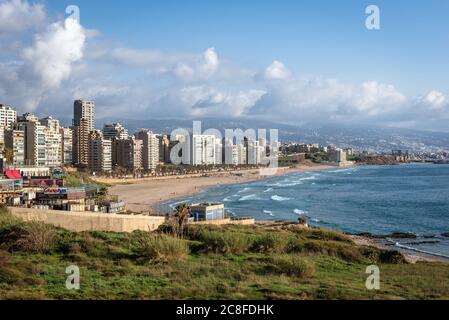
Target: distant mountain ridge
356,136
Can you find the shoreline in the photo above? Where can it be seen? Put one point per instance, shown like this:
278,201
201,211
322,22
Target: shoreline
140,195
411,256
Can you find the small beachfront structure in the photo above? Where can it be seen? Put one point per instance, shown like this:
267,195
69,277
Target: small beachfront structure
207,211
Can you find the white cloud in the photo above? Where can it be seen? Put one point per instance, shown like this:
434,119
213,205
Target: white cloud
205,101
19,15
327,99
276,71
433,100
52,54
201,69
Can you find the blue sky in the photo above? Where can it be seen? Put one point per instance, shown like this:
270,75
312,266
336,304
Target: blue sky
326,38
289,61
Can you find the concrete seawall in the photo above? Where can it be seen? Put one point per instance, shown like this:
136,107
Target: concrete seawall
89,221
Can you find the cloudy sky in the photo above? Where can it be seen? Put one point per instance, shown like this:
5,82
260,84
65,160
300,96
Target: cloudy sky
287,61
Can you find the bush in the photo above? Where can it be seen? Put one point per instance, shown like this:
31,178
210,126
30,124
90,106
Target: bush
33,237
345,252
161,248
292,265
320,234
224,242
383,256
391,256
269,243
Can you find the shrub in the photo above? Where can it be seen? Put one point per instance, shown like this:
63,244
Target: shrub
391,256
269,243
225,242
383,256
161,248
35,237
292,265
329,248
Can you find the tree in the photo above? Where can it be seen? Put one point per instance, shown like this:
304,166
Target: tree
9,155
182,214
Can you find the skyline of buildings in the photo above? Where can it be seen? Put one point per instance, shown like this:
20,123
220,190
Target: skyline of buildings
46,143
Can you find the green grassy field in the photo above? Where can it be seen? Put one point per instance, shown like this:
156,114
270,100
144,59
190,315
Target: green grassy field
231,262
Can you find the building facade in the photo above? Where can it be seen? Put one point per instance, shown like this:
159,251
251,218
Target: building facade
83,125
150,149
35,144
8,116
127,153
83,109
66,145
203,150
115,131
100,153
53,142
15,141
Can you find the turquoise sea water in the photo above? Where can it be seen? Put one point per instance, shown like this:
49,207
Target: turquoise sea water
374,199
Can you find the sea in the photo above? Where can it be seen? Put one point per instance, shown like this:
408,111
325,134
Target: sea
380,200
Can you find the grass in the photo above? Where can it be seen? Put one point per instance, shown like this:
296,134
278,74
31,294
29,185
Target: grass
228,262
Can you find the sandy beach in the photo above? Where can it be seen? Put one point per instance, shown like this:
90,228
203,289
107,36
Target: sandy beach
141,194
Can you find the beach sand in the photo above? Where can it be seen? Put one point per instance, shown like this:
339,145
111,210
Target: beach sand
140,194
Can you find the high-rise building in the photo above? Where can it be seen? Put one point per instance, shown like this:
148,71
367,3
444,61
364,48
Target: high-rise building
241,154
127,153
35,144
15,141
150,149
83,109
66,145
337,156
164,149
80,144
83,125
7,116
115,131
100,153
218,152
255,152
202,150
53,142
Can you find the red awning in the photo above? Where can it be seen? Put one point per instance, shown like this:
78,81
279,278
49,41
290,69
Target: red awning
13,174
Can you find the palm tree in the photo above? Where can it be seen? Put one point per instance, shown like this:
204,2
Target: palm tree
182,214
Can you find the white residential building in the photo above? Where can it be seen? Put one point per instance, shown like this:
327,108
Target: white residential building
241,154
7,116
255,152
203,150
53,142
66,145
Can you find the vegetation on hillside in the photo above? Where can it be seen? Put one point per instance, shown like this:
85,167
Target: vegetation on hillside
317,157
204,262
